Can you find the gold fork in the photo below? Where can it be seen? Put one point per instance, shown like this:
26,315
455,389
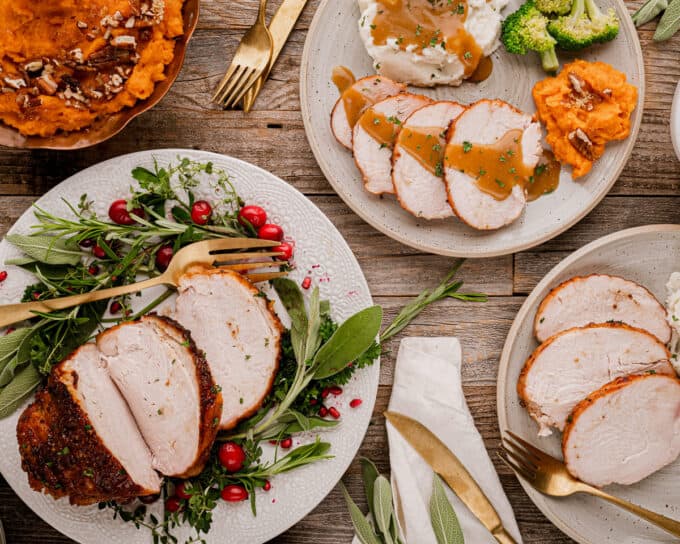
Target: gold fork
250,61
549,476
208,252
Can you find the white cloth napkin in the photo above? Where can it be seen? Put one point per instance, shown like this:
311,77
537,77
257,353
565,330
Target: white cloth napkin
428,388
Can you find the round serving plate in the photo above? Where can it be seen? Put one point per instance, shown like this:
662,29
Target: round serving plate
320,252
647,255
107,127
675,121
333,40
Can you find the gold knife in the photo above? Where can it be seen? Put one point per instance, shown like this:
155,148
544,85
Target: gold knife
442,460
280,27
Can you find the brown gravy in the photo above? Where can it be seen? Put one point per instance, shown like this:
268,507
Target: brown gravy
426,145
381,128
498,167
483,70
343,78
427,23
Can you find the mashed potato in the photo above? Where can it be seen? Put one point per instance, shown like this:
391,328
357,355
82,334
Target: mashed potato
422,58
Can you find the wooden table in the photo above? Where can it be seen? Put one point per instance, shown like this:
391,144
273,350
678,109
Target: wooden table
273,137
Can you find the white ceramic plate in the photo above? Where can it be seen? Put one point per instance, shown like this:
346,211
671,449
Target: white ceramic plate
646,255
675,121
333,40
321,252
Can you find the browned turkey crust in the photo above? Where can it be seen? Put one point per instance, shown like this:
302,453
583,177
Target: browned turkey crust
664,333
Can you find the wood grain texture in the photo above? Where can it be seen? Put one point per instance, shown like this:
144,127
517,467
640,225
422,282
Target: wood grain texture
272,137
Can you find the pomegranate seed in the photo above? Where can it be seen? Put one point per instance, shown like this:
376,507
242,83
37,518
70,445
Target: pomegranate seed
234,493
93,270
323,411
333,411
173,504
253,215
307,282
273,442
286,251
201,212
9,330
326,391
267,486
313,402
99,252
181,491
355,403
115,307
270,231
3,275
286,443
335,390
86,243
231,456
35,295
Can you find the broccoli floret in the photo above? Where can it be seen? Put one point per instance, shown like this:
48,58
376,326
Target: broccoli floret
584,26
526,30
554,7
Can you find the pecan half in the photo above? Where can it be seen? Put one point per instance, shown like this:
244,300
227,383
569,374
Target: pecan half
582,143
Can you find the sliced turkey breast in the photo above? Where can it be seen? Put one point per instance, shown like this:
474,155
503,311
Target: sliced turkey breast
236,327
169,388
374,136
625,431
417,161
599,298
485,123
361,95
78,438
569,366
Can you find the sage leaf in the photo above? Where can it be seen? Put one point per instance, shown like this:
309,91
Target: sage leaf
9,344
649,10
20,261
445,523
362,527
9,369
669,23
383,508
23,384
369,474
47,249
293,301
313,323
348,342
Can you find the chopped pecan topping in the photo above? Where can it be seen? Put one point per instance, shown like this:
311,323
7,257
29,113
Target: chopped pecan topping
47,85
582,143
582,96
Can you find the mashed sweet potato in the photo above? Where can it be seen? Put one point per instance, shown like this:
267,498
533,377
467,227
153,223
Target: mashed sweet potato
587,105
66,63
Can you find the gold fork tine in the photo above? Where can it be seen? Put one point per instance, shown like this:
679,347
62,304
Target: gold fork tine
236,95
224,80
241,71
251,266
219,245
519,458
530,450
514,467
257,278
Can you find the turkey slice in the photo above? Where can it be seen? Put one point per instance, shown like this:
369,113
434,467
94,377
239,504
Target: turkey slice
420,189
625,431
373,157
569,366
599,298
485,122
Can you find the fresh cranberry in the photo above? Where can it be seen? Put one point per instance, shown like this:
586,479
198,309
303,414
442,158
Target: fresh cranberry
307,282
163,257
35,295
149,499
355,403
270,232
267,485
232,456
253,215
119,213
87,242
285,249
3,276
335,390
323,411
234,493
181,492
99,252
115,307
333,411
201,212
93,270
286,443
173,504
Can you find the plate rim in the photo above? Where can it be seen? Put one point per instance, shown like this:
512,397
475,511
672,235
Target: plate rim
527,307
369,403
327,170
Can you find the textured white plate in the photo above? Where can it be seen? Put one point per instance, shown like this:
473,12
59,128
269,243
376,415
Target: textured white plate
321,252
675,121
646,255
334,40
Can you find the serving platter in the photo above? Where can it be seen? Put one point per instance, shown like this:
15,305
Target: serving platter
333,40
320,252
647,255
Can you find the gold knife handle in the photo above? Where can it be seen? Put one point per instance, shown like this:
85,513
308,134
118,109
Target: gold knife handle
13,313
502,536
667,524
